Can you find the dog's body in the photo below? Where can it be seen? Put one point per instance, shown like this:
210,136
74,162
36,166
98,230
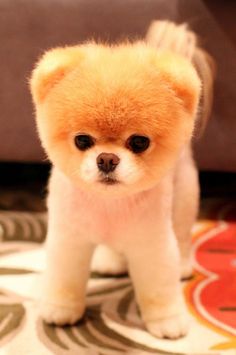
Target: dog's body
142,203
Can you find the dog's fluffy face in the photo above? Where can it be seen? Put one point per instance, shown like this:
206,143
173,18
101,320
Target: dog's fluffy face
129,102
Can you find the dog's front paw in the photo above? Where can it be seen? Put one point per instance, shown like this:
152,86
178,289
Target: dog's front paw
172,327
60,315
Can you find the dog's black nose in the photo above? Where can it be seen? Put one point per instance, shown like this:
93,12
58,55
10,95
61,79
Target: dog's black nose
107,162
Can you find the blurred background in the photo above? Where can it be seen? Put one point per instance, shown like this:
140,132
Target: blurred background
28,28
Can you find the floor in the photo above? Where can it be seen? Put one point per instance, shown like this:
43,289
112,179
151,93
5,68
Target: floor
112,324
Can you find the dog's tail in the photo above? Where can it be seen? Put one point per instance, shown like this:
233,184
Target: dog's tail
167,35
170,36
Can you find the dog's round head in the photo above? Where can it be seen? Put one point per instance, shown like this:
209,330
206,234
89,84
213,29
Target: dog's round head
114,119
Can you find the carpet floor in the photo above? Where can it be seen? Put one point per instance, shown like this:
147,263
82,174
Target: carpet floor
112,324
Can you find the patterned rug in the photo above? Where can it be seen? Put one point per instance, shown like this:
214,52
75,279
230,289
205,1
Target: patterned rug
111,325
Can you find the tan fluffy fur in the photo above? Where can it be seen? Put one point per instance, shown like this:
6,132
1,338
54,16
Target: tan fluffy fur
113,92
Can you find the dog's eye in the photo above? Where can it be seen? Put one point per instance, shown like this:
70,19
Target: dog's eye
138,144
84,141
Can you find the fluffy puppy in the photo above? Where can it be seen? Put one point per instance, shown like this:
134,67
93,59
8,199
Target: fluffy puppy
116,122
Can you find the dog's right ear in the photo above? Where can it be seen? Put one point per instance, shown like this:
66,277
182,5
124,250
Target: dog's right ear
51,68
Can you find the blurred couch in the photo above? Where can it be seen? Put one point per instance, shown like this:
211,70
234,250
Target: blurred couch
28,28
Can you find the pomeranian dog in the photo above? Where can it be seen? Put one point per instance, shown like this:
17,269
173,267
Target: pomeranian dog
116,122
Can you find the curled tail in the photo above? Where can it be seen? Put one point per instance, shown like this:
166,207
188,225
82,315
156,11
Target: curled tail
170,36
167,35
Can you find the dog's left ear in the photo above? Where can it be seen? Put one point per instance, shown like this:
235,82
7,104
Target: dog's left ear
182,78
51,68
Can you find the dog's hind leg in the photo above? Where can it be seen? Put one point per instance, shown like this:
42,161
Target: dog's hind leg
108,261
185,207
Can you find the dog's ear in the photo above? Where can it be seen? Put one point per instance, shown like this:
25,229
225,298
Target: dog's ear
182,78
51,68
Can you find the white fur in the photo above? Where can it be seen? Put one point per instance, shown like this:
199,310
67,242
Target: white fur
140,227
88,169
127,170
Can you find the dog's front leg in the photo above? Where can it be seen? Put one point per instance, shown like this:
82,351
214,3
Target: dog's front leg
65,278
154,267
64,282
68,256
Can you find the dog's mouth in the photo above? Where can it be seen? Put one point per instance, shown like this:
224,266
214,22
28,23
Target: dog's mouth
108,180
